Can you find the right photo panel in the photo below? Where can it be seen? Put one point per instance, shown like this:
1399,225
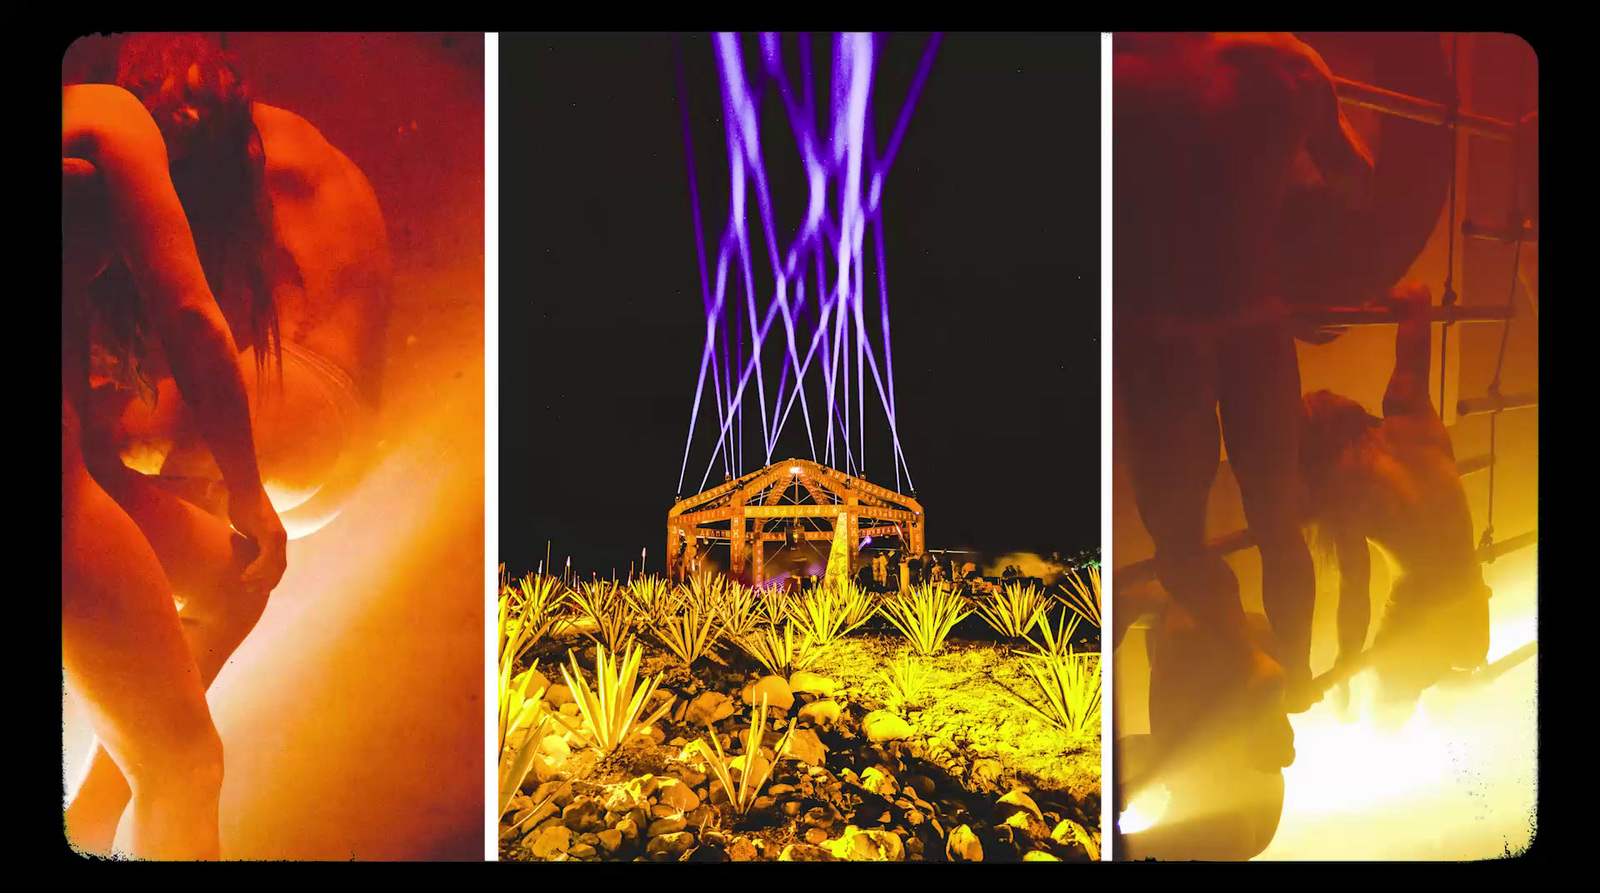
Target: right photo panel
1325,302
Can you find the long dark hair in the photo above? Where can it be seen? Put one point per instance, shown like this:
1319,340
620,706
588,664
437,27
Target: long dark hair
190,86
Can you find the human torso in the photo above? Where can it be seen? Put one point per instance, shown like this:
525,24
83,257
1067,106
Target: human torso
327,220
1206,133
332,299
1404,493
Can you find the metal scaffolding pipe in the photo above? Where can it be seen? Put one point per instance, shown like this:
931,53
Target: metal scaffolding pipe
1526,234
1383,316
1489,553
1424,110
1496,403
1477,463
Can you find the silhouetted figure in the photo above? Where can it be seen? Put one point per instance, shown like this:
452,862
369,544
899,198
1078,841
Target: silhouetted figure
1209,131
1393,481
1209,746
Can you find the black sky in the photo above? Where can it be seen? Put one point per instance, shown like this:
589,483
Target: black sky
991,221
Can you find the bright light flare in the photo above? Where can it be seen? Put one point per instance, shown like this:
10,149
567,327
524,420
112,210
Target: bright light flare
1144,810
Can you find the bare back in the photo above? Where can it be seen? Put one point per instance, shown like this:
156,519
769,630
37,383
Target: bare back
327,219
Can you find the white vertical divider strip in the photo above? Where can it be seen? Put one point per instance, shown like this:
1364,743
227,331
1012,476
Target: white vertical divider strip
491,436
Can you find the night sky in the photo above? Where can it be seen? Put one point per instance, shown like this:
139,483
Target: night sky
991,221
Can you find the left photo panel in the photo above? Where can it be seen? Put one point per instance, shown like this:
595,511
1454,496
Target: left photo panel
273,446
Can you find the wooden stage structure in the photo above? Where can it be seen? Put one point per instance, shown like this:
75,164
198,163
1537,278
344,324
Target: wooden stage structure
787,503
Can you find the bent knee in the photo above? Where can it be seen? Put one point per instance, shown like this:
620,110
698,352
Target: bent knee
191,762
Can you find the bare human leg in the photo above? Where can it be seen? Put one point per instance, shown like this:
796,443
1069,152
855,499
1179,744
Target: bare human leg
1259,391
126,662
203,558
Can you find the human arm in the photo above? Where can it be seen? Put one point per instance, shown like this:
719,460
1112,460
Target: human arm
153,236
1407,393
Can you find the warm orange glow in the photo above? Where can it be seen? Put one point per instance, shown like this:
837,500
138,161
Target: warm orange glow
1457,781
1144,810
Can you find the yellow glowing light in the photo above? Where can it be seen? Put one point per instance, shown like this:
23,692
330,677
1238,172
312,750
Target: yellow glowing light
794,469
1144,810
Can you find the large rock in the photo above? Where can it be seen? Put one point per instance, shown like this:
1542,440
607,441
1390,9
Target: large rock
1076,838
668,847
707,708
776,688
556,695
876,780
584,816
806,747
1014,801
536,681
856,845
813,683
963,845
742,850
883,725
555,747
550,842
668,825
610,840
675,793
805,852
822,713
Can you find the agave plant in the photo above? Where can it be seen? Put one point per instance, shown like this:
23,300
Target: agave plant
705,591
859,605
754,768
1013,611
1057,639
652,599
1071,691
739,610
906,680
1083,599
606,606
688,631
518,711
538,600
776,604
925,615
779,651
611,710
820,614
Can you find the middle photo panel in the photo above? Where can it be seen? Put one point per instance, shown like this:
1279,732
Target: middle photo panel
799,447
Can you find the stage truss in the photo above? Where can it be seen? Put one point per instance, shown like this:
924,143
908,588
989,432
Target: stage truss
797,501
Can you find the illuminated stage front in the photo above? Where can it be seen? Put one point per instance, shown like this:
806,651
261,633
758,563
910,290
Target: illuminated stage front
791,502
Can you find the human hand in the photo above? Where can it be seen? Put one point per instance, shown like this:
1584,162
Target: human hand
254,516
1410,299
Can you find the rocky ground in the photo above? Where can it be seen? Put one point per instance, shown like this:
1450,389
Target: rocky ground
964,775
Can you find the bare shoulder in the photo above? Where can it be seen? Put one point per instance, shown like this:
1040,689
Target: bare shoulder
296,149
91,112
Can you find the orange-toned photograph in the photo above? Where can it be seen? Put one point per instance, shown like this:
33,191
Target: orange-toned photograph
272,446
1325,362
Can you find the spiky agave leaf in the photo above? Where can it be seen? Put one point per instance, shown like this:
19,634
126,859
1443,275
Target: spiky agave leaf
1057,639
652,599
925,615
611,709
1013,611
756,769
739,610
1083,598
779,651
540,601
1071,691
688,630
607,607
857,604
906,679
